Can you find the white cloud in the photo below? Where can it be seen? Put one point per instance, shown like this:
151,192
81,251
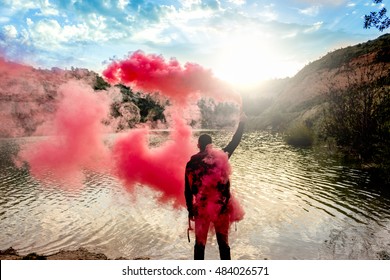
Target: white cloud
323,2
22,4
10,31
315,27
351,5
29,22
122,4
47,9
311,11
237,2
268,13
189,4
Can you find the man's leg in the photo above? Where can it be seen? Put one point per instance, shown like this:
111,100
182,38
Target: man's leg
222,233
201,229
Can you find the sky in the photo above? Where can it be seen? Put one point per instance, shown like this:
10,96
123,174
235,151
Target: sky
241,41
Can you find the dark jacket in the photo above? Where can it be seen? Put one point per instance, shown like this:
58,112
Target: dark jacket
197,168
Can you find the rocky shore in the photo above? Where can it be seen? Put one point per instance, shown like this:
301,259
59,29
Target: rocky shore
79,254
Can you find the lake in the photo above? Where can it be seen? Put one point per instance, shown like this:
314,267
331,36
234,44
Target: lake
299,204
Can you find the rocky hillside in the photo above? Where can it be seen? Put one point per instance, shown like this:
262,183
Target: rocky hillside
28,96
301,97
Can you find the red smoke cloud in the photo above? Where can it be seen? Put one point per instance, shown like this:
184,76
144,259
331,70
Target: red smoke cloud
162,167
77,141
152,73
219,172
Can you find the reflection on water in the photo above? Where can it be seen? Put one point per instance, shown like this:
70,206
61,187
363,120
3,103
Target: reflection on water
300,204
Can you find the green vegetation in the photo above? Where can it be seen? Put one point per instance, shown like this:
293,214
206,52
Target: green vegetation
342,100
378,20
151,109
357,116
136,108
338,58
299,135
217,115
100,83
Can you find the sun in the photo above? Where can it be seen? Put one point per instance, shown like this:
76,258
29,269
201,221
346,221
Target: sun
246,61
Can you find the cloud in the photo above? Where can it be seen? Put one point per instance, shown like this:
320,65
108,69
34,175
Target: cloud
323,2
47,9
122,4
269,13
237,2
311,11
211,4
10,31
20,5
315,27
87,31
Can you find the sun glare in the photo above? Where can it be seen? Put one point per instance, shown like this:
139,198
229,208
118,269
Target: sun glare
245,62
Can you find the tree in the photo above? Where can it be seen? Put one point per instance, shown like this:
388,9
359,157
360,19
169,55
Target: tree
357,114
377,20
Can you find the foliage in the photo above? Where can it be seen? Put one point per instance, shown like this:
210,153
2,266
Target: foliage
340,57
217,115
300,135
382,143
100,83
357,116
150,108
377,20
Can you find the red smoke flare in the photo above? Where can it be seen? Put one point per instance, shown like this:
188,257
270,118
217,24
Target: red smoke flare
161,168
151,73
76,143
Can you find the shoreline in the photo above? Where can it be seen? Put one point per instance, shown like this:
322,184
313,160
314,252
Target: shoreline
78,254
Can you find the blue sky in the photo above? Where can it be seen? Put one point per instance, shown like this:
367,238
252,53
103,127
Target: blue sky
242,41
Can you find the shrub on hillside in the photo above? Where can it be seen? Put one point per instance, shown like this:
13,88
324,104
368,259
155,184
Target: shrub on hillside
299,136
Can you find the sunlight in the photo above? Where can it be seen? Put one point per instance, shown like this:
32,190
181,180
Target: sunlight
246,61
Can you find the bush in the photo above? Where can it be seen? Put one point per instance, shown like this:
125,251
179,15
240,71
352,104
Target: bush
299,136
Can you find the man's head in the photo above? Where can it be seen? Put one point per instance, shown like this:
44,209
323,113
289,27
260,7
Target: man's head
203,141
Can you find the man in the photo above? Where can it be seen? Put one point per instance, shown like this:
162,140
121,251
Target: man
207,192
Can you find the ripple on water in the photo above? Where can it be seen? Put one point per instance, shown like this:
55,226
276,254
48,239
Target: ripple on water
298,203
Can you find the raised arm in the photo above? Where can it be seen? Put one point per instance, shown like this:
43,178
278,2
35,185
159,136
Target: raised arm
236,139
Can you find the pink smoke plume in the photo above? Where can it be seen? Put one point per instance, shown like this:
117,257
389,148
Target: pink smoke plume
152,73
219,172
162,167
75,143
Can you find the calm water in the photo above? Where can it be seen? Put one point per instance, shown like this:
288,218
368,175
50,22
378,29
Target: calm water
300,204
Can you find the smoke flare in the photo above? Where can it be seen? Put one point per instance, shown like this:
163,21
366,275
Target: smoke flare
76,143
152,73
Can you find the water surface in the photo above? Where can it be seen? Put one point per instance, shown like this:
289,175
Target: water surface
299,204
